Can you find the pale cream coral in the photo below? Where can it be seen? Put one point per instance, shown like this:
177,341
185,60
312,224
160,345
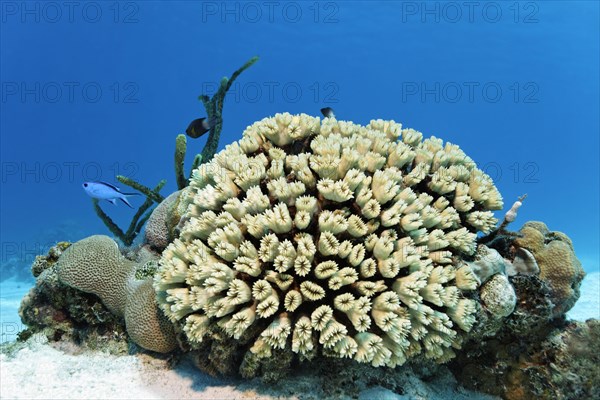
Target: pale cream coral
340,236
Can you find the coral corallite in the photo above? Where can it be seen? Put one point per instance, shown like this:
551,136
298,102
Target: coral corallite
341,240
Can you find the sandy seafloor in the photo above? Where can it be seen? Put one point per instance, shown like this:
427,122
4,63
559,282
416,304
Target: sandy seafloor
42,371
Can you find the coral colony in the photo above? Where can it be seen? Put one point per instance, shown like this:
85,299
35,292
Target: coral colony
311,240
340,237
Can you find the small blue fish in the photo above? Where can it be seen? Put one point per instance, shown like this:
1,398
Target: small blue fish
106,191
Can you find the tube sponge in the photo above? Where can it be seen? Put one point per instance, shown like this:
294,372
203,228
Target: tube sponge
95,265
336,238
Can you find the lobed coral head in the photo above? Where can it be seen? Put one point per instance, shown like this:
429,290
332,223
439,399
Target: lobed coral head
95,265
336,238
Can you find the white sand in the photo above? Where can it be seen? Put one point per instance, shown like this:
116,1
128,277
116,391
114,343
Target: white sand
11,293
39,371
65,374
588,305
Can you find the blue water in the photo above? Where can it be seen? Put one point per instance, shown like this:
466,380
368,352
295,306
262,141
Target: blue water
94,89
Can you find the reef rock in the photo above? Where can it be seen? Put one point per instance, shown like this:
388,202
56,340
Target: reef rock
558,265
498,296
63,313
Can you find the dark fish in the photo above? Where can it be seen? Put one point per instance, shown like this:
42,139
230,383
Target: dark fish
199,127
327,112
106,191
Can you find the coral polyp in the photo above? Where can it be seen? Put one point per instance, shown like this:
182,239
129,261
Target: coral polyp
333,238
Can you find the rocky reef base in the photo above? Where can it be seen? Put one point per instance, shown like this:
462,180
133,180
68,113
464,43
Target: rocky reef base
64,314
521,347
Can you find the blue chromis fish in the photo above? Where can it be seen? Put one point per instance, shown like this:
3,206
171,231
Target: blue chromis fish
199,127
327,112
106,191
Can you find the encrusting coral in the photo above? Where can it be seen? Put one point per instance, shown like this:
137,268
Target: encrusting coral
334,239
160,226
558,265
41,262
95,265
531,354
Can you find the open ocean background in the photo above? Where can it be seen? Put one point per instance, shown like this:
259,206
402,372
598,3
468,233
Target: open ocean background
95,89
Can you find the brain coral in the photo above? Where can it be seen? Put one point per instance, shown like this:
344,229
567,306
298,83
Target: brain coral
339,239
95,265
